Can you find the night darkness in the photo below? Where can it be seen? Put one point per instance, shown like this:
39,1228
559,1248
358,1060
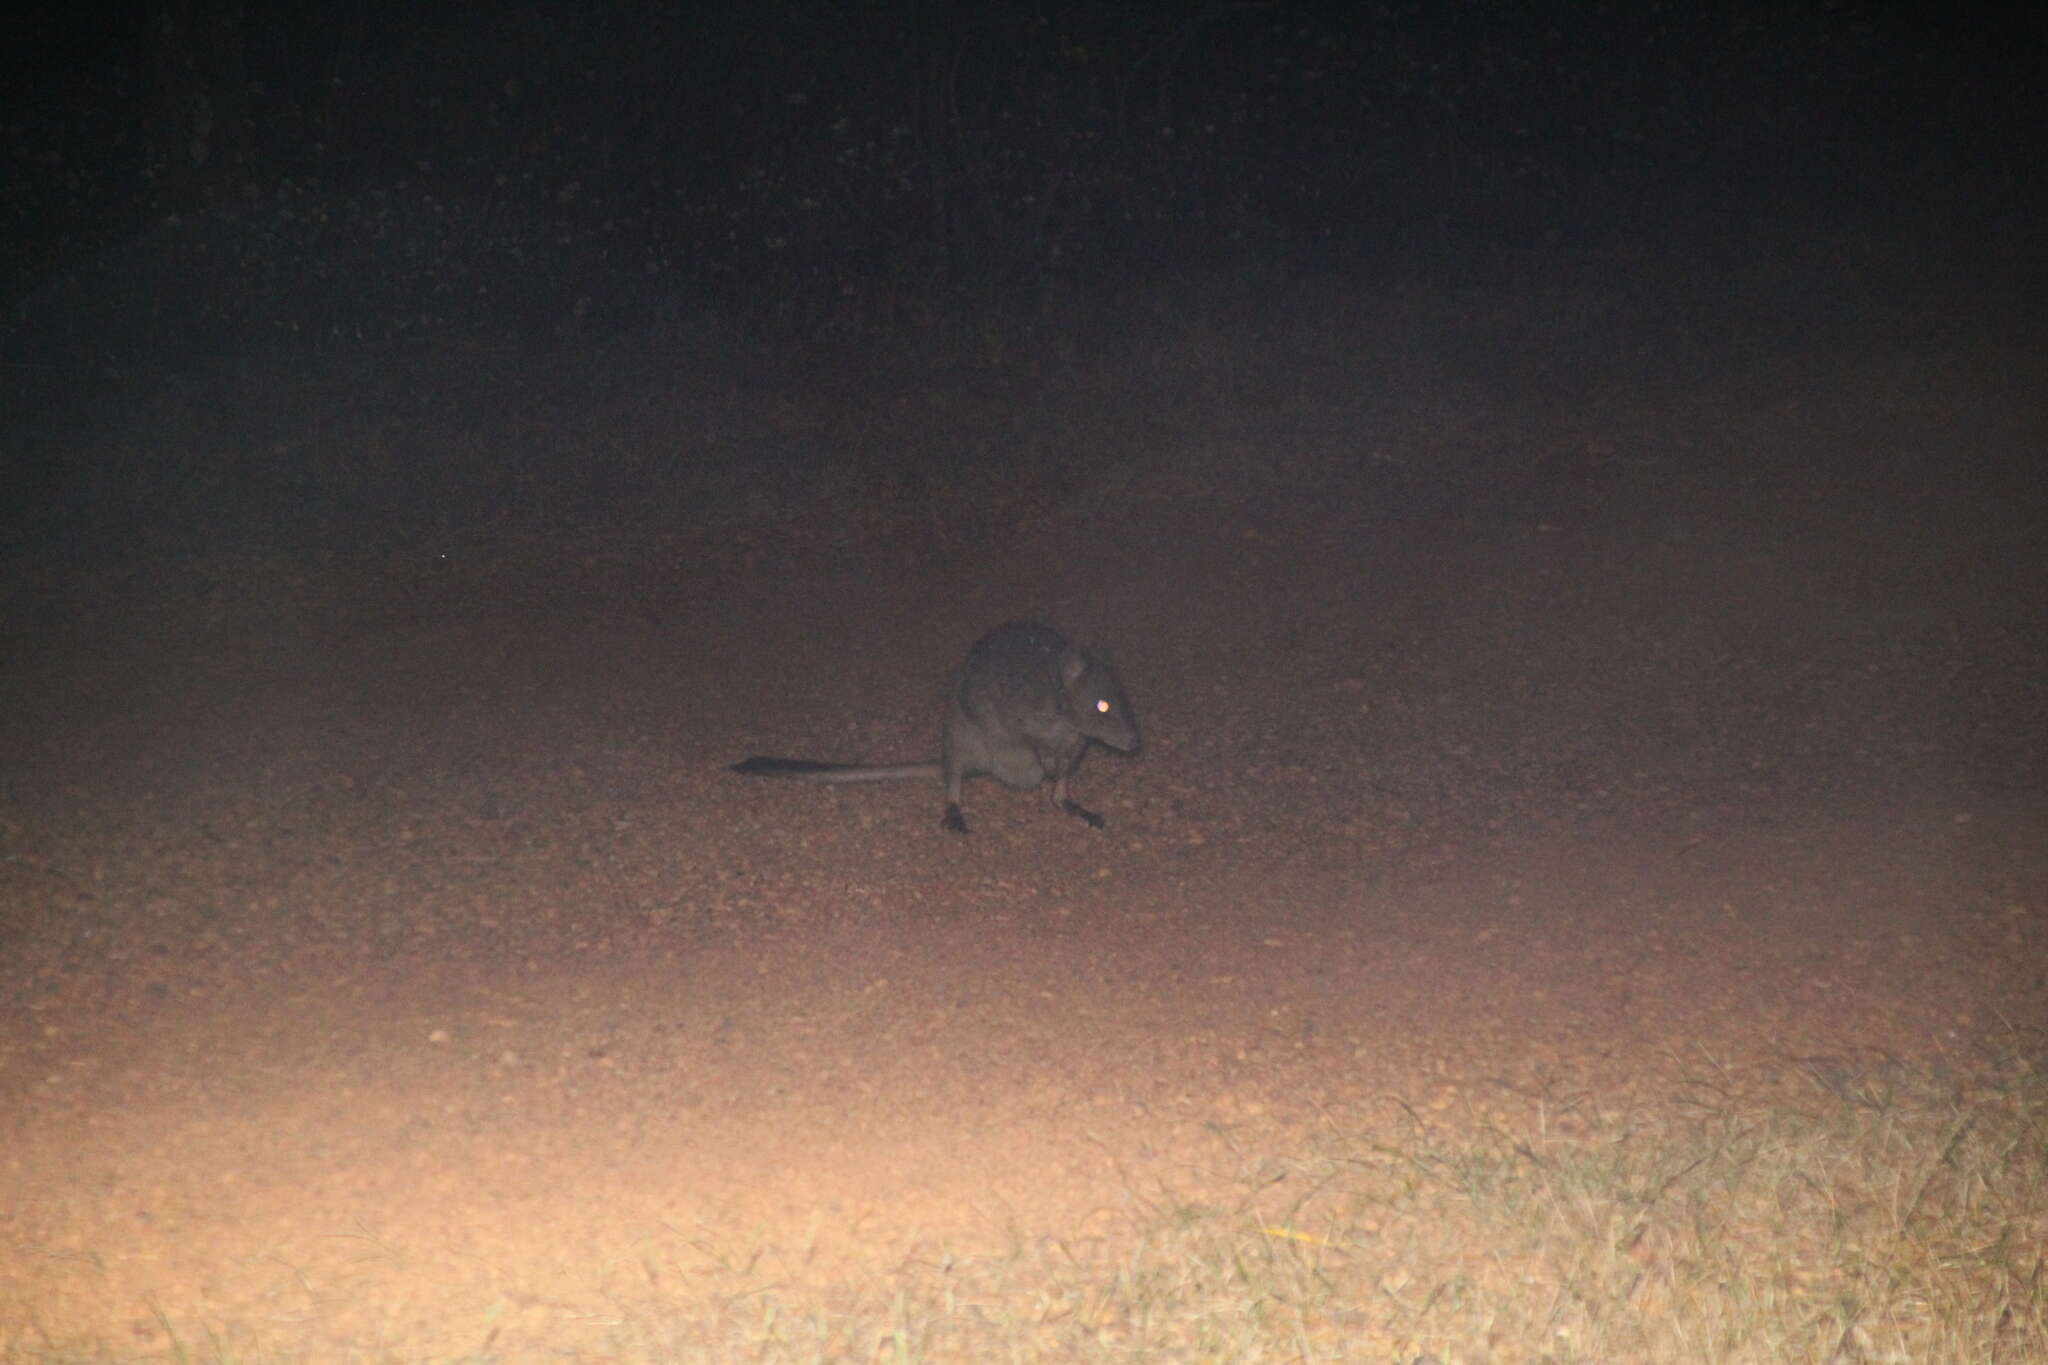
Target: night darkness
349,199
1559,489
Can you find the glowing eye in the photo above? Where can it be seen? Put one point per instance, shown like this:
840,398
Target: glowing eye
1103,707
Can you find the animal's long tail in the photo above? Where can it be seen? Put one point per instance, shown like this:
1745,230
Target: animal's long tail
805,770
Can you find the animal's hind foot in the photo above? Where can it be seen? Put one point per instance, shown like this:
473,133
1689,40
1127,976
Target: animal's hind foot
1081,812
954,822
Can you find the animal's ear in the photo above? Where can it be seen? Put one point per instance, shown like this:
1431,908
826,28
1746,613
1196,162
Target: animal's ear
1072,665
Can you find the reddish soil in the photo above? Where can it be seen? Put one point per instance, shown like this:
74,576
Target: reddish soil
390,959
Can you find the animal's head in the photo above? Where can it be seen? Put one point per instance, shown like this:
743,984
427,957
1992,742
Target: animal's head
1096,701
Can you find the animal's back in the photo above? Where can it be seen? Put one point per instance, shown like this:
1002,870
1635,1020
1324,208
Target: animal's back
1010,684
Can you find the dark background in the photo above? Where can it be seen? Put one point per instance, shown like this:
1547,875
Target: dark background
300,278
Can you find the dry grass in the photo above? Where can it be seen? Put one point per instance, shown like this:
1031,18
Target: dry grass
1872,1213
1868,1215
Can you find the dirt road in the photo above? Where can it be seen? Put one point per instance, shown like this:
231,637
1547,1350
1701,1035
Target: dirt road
392,963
